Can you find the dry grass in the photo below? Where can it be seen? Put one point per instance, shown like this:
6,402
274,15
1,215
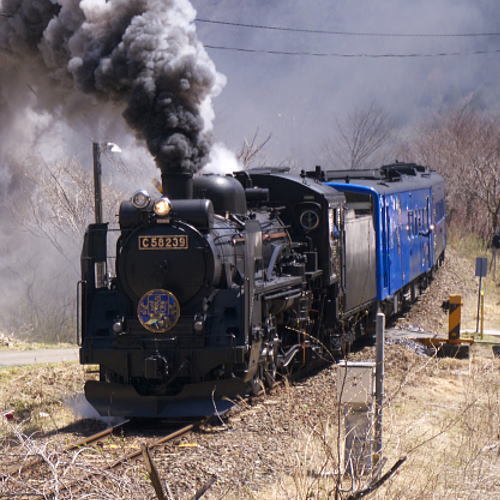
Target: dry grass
43,424
442,414
37,395
447,426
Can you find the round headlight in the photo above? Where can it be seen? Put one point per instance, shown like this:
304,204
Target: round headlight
162,207
141,199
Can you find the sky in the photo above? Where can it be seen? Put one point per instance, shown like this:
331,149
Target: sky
298,98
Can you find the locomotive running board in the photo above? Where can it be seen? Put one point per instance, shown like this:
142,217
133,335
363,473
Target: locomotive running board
111,399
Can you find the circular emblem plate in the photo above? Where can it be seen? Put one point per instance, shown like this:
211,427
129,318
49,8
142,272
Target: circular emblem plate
158,310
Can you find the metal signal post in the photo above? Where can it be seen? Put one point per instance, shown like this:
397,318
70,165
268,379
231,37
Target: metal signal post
481,272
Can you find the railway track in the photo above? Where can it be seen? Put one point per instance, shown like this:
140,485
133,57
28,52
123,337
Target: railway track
64,472
37,460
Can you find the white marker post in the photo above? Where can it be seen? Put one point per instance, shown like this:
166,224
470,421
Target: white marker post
355,392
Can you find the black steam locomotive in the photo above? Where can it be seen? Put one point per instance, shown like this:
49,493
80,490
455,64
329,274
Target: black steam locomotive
232,280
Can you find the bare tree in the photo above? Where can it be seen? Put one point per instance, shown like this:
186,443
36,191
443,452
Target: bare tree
51,213
362,134
464,146
252,149
62,206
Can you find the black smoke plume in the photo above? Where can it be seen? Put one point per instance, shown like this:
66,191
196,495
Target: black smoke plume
142,54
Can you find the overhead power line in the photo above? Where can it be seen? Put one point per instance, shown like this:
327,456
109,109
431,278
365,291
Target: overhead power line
353,55
342,33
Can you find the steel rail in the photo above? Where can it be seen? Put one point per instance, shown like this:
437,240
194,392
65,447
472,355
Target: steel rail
121,460
17,468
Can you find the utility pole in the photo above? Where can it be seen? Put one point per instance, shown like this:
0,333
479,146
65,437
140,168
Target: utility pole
96,155
97,149
379,383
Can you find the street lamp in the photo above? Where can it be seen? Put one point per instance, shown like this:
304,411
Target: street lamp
97,149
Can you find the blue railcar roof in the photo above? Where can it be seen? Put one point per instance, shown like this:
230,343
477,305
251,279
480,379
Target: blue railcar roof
405,183
394,178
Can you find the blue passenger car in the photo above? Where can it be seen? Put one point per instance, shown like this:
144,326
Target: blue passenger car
405,204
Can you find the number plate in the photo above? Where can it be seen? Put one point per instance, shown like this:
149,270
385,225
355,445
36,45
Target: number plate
179,242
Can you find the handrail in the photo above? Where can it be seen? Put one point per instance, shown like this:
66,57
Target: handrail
79,288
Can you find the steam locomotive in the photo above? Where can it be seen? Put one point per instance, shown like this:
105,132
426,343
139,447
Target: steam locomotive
232,281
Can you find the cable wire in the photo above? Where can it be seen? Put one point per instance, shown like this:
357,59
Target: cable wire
353,55
343,33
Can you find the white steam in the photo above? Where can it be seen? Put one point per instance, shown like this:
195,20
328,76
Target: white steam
81,408
221,161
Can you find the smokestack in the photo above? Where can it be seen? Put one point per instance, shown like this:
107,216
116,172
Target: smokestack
177,185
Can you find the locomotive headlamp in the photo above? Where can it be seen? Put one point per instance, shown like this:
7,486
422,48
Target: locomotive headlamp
141,199
162,207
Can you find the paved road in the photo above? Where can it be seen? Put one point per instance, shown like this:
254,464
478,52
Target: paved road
17,358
